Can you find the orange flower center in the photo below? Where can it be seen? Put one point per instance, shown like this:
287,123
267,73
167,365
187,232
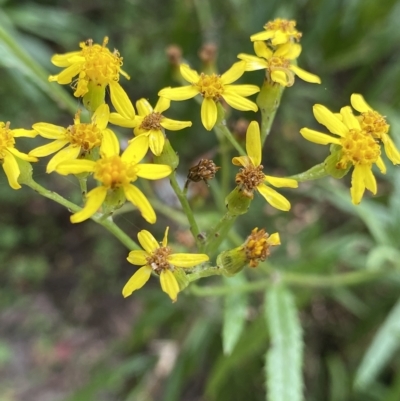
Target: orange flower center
210,86
249,178
114,173
373,123
6,138
86,136
256,247
286,26
152,121
158,259
358,148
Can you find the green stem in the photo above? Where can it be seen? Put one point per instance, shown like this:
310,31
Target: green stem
219,232
187,210
313,173
98,218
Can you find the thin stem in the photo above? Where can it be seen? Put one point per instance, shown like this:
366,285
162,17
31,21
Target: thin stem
219,232
98,218
187,210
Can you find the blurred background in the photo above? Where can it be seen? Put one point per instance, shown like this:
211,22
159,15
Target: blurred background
66,333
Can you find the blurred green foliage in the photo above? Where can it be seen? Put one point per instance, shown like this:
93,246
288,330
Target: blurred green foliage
353,46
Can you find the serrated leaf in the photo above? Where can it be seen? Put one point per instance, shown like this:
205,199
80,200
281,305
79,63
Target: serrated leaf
235,309
385,343
284,357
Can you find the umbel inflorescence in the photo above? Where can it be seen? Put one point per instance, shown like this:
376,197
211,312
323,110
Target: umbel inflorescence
91,151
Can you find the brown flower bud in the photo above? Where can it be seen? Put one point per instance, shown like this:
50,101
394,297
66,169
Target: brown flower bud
204,170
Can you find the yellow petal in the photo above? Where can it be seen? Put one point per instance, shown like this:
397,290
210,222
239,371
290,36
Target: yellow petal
234,73
138,257
11,169
136,149
381,165
66,154
156,142
349,119
187,259
120,101
357,184
162,105
318,137
23,156
279,38
274,198
153,171
169,284
242,161
49,148
208,113
117,119
289,51
369,179
242,90
274,239
101,116
264,35
50,131
65,76
27,133
304,75
253,63
143,107
188,74
262,50
281,182
75,167
174,125
359,103
165,239
148,242
239,102
253,143
62,60
137,281
94,199
138,199
182,93
327,118
109,144
282,77
390,149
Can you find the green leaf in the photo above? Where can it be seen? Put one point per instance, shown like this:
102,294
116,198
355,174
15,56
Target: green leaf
284,357
380,352
235,309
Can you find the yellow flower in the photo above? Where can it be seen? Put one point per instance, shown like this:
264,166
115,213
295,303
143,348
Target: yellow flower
213,88
375,124
116,172
278,64
150,122
257,246
358,147
279,32
162,261
95,66
8,153
80,137
251,176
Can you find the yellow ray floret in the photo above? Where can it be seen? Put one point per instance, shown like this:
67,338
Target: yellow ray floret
251,176
279,32
158,258
213,88
116,172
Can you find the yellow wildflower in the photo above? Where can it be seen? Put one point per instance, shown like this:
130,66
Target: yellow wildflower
278,64
8,153
375,124
251,176
213,88
279,32
150,122
80,137
116,172
95,66
358,147
158,258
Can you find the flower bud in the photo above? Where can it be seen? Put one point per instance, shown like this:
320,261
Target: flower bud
237,202
94,97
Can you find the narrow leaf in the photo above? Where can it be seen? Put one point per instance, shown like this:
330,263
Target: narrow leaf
284,357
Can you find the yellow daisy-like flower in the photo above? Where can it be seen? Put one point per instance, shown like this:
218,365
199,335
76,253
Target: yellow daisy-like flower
150,122
358,147
8,153
95,66
80,137
251,176
375,124
158,258
278,64
213,88
116,172
279,31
